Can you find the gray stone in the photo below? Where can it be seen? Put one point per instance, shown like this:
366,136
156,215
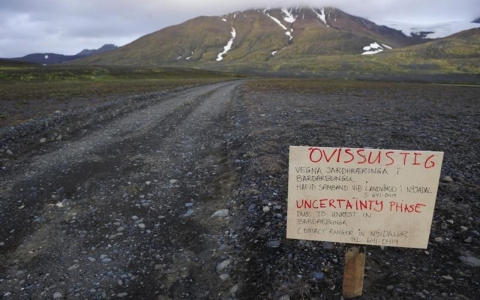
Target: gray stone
318,276
141,225
57,295
328,245
121,295
274,243
266,209
470,260
9,152
188,213
223,265
234,289
43,140
421,295
222,213
224,277
390,287
447,277
447,179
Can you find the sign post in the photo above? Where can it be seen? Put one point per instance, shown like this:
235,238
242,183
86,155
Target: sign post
353,271
362,196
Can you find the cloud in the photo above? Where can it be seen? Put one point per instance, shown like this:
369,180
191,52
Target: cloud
67,27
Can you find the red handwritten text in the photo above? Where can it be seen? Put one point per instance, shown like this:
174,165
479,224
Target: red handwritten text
371,157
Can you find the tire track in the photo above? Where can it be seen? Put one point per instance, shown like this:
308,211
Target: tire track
108,213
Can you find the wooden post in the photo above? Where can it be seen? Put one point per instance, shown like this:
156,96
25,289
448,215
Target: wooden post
354,271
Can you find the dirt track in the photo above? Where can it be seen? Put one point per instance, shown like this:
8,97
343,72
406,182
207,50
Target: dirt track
122,210
123,207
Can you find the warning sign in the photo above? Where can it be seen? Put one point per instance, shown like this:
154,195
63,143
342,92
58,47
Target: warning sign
362,196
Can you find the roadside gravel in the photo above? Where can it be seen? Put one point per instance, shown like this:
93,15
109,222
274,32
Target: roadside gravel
268,119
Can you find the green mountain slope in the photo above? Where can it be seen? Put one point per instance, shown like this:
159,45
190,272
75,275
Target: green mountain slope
294,39
258,34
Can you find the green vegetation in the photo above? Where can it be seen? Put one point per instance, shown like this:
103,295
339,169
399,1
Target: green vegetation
32,91
64,82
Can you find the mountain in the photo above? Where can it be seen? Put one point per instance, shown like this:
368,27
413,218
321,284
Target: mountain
477,20
258,35
300,40
429,31
90,52
53,58
462,45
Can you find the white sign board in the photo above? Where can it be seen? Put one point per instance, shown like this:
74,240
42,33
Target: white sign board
362,196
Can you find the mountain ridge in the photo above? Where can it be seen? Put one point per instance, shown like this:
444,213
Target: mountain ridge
49,58
295,39
259,33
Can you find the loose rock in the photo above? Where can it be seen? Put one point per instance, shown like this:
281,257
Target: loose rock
224,277
470,260
222,213
447,179
234,289
223,265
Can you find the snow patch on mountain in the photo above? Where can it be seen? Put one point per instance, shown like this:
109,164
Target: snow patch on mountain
287,32
228,46
289,17
374,48
430,31
275,20
321,15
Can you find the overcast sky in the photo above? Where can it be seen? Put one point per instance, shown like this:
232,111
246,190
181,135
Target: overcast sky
69,26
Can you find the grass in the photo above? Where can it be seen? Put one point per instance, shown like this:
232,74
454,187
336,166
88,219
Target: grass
30,92
63,83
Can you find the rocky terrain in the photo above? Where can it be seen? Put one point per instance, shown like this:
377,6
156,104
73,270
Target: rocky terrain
182,194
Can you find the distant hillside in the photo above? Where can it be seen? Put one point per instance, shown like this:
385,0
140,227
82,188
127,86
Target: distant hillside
306,40
53,58
258,35
13,63
90,52
477,20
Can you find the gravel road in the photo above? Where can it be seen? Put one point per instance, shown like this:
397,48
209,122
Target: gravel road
123,209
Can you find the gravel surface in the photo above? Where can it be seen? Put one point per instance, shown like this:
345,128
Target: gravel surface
182,194
380,115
